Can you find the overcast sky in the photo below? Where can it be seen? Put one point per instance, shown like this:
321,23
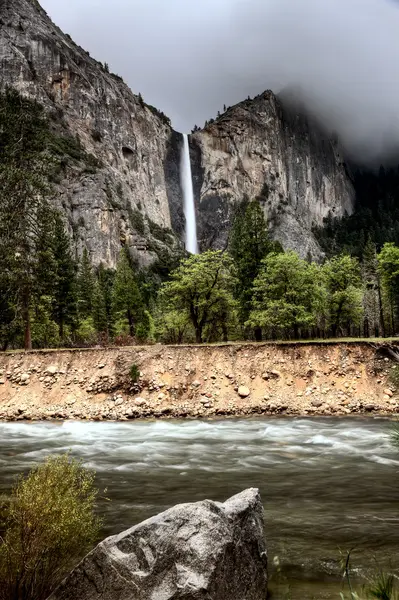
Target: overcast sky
189,57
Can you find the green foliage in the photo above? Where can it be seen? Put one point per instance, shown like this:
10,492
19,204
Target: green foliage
49,525
249,245
145,329
45,331
201,288
134,373
174,327
288,294
345,294
64,290
126,297
376,215
136,220
25,215
85,285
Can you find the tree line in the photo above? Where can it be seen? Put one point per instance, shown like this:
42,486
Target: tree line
253,290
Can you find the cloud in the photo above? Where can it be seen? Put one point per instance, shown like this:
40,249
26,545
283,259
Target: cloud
191,58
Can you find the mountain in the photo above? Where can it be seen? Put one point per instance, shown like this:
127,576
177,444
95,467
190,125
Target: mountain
120,180
273,151
133,190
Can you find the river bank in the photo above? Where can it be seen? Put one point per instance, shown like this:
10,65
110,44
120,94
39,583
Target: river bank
340,378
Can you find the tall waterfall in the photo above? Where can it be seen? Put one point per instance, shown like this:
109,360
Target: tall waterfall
188,193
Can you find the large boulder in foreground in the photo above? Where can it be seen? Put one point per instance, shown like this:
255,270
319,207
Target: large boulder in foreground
202,551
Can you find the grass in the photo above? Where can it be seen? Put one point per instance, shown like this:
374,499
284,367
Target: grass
243,344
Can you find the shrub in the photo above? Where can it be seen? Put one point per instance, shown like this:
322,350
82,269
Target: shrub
49,525
134,373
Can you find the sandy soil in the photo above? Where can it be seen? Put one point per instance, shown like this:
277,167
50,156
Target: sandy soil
198,381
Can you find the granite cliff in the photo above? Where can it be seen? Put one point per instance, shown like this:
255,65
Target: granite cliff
129,188
266,149
120,177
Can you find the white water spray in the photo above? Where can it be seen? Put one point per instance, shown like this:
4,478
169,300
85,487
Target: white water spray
188,194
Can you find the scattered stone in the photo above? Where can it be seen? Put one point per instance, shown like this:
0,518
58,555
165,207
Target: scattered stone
139,402
102,366
388,392
52,370
316,403
243,391
196,383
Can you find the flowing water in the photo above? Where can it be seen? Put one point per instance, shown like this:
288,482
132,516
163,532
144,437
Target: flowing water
327,484
188,194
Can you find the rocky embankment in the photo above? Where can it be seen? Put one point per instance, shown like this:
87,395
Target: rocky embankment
198,382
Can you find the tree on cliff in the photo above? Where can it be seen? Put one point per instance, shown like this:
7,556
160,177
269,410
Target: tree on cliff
49,524
289,294
249,244
202,290
24,211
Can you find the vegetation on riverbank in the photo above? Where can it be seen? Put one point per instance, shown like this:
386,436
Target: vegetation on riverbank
49,523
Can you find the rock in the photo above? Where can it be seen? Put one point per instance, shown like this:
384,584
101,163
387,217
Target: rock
388,392
196,383
118,401
243,391
51,370
139,402
25,377
200,551
2,381
275,374
102,366
369,407
161,397
316,403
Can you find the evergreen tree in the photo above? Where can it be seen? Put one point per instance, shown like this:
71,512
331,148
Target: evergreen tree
64,285
249,244
126,297
345,293
24,170
99,309
373,308
388,267
85,283
106,281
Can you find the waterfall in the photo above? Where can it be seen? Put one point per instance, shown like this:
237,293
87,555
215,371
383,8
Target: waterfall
188,194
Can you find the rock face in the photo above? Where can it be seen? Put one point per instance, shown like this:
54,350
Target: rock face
119,183
130,192
260,149
206,550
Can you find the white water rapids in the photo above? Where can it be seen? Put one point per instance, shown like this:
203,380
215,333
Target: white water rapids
188,194
326,484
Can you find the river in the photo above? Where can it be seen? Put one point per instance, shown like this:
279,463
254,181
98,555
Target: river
327,484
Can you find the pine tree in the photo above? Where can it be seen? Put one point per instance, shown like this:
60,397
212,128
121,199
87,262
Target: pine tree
127,300
99,311
25,167
64,288
86,282
106,281
249,245
373,308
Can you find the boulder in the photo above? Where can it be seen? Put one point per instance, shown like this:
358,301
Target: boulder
243,391
202,551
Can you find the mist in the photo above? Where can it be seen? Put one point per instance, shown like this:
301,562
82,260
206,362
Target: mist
190,59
